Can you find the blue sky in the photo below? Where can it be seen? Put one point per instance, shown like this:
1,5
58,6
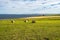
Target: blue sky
29,6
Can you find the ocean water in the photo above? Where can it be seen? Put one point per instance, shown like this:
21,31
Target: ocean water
9,16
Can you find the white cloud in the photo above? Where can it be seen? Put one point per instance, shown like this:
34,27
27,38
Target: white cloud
29,6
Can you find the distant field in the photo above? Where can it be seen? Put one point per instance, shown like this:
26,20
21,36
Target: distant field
44,29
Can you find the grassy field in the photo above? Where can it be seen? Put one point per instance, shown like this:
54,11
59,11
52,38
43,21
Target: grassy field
43,29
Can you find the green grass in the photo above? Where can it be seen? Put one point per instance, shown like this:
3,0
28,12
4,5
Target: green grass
43,28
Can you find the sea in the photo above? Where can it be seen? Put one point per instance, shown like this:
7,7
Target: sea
11,16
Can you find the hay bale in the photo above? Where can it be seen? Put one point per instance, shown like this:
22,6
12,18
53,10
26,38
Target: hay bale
12,21
26,21
33,21
46,38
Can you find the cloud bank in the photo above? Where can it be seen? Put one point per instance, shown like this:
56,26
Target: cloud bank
29,6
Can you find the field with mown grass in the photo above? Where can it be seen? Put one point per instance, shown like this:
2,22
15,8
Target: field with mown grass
42,29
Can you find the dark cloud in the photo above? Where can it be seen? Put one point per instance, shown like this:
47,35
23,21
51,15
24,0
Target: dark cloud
23,0
44,2
1,5
13,7
32,0
59,3
53,4
44,7
14,0
6,2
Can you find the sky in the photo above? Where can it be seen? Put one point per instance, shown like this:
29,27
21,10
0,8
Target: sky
29,6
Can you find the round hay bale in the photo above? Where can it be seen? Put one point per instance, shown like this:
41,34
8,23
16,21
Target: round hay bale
12,21
46,38
26,21
33,21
